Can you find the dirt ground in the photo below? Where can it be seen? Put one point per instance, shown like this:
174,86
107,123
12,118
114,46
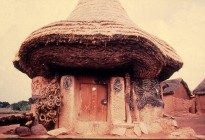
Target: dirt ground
196,122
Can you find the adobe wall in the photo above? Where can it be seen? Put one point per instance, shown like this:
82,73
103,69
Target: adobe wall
37,84
200,101
149,104
182,104
168,104
117,100
178,102
181,92
46,99
149,107
173,105
70,105
66,116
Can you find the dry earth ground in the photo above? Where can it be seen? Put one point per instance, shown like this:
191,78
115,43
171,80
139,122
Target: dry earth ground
197,122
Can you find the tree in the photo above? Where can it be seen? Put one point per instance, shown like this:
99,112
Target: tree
15,106
4,104
21,106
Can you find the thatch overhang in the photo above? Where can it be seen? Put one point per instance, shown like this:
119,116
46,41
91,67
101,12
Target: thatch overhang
200,89
171,86
97,35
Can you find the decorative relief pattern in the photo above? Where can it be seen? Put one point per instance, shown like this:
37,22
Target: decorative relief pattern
36,85
67,82
117,86
148,91
48,105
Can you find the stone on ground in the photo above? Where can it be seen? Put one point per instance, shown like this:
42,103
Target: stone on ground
38,129
174,123
118,131
23,131
143,127
183,133
154,127
58,131
130,133
137,130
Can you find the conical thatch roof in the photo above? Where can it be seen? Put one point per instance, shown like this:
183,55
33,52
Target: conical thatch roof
200,89
171,86
98,34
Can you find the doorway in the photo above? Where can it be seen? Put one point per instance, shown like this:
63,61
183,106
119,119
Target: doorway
93,102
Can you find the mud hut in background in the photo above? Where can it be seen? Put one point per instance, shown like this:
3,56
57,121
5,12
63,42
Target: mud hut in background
199,92
103,66
177,97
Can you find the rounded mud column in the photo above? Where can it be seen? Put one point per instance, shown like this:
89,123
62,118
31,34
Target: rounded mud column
149,105
38,83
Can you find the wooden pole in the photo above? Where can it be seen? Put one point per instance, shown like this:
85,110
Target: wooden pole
136,111
127,98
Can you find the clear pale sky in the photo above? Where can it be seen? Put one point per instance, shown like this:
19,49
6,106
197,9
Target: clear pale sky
181,23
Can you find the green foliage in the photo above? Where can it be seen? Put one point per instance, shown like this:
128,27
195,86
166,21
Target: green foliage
21,106
4,104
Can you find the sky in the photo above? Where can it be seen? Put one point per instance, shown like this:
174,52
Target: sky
181,23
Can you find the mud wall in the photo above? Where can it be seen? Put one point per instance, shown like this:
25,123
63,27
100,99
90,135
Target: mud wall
148,91
66,116
117,100
200,101
181,92
172,105
46,101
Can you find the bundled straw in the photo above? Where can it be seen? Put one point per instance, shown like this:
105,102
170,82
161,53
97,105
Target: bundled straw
97,35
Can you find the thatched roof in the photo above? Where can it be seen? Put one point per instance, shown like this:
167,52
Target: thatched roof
171,86
98,34
200,89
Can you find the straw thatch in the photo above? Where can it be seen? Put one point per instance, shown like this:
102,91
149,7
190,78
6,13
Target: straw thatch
97,35
171,86
200,89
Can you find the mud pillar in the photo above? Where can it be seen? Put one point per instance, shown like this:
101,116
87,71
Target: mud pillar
149,103
38,83
66,117
117,100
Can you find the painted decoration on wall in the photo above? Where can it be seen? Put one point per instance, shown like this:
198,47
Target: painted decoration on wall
67,82
148,91
117,86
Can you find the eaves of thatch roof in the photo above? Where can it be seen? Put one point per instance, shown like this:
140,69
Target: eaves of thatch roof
200,89
97,34
171,86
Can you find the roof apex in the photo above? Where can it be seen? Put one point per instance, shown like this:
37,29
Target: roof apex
200,89
101,24
171,86
100,10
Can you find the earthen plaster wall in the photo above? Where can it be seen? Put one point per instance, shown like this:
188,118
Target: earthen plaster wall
117,102
38,83
181,92
173,104
201,104
66,116
178,102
